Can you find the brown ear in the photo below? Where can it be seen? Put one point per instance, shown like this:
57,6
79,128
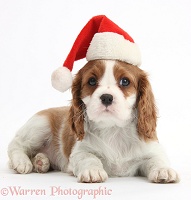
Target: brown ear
76,115
147,116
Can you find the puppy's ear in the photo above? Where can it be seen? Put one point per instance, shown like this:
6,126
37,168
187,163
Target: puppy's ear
147,115
76,116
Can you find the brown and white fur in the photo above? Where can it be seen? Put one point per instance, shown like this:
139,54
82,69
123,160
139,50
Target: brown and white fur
109,129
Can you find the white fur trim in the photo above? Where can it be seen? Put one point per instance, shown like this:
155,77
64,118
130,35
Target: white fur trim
110,45
61,79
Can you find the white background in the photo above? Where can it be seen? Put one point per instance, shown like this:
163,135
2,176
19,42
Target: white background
35,38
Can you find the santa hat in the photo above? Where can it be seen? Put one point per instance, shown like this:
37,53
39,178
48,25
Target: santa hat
99,39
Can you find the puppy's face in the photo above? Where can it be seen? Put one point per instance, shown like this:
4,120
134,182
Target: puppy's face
109,91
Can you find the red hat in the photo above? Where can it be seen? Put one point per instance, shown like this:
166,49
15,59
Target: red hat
99,39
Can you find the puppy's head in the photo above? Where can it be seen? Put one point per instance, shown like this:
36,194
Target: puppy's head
112,93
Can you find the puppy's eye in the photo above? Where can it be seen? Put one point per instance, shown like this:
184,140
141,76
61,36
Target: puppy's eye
92,81
124,82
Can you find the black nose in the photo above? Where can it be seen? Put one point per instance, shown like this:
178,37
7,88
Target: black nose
106,99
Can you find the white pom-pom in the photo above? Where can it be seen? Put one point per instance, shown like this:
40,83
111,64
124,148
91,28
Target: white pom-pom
61,79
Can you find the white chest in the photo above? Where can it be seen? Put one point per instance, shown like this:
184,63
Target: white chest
120,150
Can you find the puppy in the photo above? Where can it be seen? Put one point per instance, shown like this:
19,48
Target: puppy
109,129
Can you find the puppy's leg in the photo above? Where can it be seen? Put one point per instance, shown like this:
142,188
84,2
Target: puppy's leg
28,140
87,167
157,169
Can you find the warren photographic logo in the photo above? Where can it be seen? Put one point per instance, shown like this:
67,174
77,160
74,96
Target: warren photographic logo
55,191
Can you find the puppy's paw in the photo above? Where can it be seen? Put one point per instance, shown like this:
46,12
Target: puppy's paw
41,163
93,175
21,164
163,175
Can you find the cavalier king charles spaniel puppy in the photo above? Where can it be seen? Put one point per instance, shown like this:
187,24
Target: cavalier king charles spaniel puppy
109,129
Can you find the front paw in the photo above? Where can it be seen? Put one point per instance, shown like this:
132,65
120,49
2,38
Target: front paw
163,175
21,164
93,175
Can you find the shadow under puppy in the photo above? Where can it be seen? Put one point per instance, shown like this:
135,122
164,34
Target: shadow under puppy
110,127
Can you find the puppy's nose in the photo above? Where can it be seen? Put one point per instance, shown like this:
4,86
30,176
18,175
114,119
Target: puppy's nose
106,99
